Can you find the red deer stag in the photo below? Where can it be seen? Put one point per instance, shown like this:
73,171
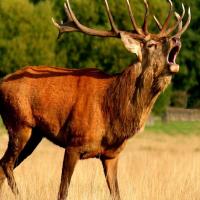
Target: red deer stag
87,112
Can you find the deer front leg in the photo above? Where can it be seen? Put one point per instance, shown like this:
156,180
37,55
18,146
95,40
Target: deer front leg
69,162
110,171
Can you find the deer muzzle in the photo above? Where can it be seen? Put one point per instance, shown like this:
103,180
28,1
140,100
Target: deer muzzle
174,68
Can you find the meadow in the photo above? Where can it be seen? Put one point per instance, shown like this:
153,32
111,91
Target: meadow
162,163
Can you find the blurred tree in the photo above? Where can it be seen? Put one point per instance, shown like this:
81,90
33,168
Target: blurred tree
26,35
163,102
36,1
179,99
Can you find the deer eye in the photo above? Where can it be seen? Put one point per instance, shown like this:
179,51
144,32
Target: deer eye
152,45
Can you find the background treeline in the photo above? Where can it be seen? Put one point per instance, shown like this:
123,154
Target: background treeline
28,37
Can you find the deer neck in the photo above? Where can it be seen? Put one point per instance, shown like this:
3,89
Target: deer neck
130,98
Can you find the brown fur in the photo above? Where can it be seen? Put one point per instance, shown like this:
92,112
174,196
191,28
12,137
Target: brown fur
87,112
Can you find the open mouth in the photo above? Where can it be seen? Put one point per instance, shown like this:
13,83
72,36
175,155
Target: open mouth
171,59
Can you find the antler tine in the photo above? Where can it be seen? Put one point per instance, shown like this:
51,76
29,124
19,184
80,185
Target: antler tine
168,18
55,23
157,22
180,18
114,27
135,26
180,26
58,26
67,12
67,27
180,32
145,25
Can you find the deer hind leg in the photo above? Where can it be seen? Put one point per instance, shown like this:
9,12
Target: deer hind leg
110,171
17,141
69,162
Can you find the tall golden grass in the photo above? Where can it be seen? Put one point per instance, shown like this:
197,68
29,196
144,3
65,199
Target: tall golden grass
152,167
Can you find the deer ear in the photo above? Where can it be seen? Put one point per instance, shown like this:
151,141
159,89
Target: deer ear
131,45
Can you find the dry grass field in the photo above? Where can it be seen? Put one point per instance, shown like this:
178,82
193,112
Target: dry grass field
152,167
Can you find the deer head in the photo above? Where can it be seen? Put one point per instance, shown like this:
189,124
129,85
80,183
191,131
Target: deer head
156,50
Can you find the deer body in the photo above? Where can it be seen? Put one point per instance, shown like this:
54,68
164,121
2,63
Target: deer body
69,106
87,112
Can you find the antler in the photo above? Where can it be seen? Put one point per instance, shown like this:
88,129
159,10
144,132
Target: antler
145,25
178,24
179,21
73,25
144,30
168,19
134,23
183,29
114,27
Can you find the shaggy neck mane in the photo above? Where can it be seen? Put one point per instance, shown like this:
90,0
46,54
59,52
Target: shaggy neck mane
129,100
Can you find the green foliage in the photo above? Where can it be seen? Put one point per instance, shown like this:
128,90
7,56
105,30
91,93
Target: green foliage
163,102
179,99
27,36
